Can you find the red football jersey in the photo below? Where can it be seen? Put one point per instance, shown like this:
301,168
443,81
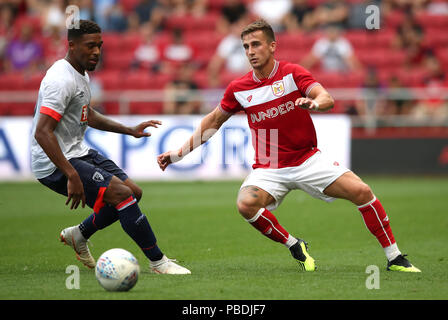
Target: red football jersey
283,135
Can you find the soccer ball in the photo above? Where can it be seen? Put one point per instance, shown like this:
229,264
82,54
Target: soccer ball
117,270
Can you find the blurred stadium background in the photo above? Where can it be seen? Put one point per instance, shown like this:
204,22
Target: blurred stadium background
171,60
175,57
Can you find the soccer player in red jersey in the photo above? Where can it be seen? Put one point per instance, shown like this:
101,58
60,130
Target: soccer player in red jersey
277,97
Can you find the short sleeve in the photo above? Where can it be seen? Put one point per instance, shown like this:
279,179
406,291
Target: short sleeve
56,96
229,104
304,80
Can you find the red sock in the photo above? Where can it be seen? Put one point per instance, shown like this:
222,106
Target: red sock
377,222
265,222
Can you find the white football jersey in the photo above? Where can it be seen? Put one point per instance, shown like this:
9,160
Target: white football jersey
64,94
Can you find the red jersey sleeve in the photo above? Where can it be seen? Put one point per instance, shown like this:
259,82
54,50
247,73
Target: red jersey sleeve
229,104
304,80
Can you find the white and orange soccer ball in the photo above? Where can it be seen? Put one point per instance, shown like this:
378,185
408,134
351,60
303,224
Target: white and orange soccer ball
117,270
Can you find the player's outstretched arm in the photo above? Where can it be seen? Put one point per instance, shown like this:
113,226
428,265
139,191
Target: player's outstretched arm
318,100
210,124
46,138
98,121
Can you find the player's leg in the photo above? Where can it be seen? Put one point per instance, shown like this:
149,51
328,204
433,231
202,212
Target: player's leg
119,195
253,204
107,214
350,187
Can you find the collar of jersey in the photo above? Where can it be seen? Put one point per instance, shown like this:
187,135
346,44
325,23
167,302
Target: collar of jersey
271,75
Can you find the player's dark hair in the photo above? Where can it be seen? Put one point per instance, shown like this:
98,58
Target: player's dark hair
85,27
259,25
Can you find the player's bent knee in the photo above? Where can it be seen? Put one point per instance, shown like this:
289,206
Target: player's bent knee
247,207
116,193
138,193
363,194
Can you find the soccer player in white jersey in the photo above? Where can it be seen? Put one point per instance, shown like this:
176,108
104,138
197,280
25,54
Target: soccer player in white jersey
61,161
277,97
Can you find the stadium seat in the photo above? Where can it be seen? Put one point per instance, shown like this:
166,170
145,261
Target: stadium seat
146,107
112,41
110,79
21,108
358,39
12,81
435,38
33,82
137,80
290,55
296,41
111,107
129,5
427,20
393,19
121,61
382,38
187,22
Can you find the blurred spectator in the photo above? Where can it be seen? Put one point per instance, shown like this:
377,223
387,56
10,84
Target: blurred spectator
410,36
109,15
230,55
374,90
53,14
357,13
6,30
101,9
404,6
273,11
23,53
176,52
150,11
97,94
147,54
435,82
183,7
333,52
299,17
437,7
116,19
231,12
55,47
330,12
181,95
398,102
85,8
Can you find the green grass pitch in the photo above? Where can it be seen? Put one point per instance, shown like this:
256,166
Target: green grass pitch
197,223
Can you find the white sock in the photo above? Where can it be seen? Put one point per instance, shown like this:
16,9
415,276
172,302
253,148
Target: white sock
291,241
392,251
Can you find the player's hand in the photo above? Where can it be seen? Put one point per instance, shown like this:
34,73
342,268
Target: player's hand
139,130
166,158
75,192
307,103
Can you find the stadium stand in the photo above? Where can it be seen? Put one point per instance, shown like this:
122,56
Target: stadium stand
118,72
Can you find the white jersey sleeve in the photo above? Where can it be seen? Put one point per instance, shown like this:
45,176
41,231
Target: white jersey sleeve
64,95
56,96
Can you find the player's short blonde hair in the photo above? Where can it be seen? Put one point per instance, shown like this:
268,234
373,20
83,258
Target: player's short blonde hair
259,25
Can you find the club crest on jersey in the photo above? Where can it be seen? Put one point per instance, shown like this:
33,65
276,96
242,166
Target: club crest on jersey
84,113
98,177
278,88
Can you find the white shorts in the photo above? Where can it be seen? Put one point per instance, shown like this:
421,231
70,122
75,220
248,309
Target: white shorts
312,176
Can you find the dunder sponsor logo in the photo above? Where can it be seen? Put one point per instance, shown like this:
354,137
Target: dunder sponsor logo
272,112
